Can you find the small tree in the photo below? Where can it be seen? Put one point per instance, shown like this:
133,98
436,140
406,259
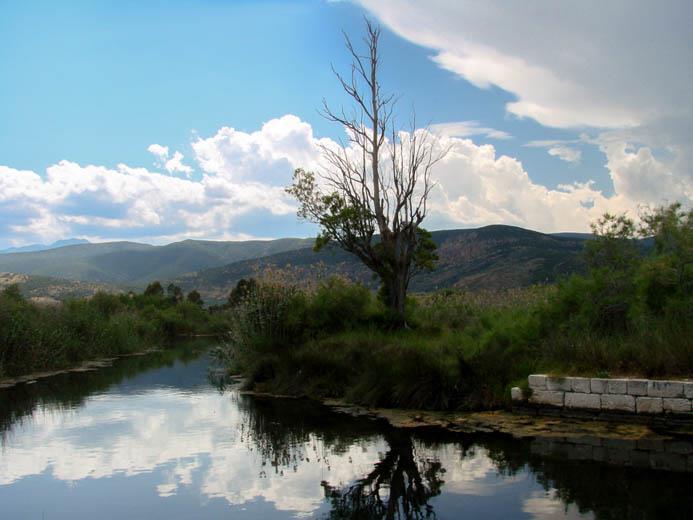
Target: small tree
371,197
612,257
667,275
672,231
175,293
154,289
194,297
243,288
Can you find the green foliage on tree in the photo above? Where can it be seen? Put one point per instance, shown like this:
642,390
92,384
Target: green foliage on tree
243,288
154,289
194,297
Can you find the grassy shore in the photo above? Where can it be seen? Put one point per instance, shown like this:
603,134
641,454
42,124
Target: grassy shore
36,337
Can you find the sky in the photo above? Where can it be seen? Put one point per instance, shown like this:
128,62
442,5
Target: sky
157,121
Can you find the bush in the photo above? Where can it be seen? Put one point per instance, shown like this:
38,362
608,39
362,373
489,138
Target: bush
339,305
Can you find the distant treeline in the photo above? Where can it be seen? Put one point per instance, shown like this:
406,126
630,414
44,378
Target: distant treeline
37,337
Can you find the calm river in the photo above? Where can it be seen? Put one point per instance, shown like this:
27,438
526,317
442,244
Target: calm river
151,437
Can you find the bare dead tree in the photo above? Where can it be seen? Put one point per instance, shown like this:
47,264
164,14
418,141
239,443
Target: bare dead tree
371,197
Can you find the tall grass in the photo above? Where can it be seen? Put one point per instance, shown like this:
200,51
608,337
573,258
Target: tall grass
39,337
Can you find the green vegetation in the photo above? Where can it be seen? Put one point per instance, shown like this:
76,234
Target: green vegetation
40,337
629,314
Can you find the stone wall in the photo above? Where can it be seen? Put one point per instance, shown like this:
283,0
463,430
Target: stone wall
637,396
669,455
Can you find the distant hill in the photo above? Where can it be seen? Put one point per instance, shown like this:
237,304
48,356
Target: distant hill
44,247
582,236
492,257
132,263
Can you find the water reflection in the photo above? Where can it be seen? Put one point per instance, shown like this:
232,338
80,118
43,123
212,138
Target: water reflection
399,485
151,437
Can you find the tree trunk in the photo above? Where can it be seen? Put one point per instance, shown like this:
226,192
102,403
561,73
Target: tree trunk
395,296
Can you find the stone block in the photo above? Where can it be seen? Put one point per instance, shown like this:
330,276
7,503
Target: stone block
637,387
580,452
539,447
665,389
648,405
580,384
580,400
599,453
640,459
560,384
516,393
617,386
676,405
547,397
537,381
618,402
688,390
650,444
617,456
598,385
682,447
592,440
620,444
668,461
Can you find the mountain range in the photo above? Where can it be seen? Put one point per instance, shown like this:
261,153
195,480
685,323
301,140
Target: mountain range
492,257
44,247
132,263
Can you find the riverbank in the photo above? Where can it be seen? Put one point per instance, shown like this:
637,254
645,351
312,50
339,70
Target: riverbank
85,366
37,338
576,438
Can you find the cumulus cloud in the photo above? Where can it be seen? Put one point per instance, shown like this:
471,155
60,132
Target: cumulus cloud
244,175
476,186
172,164
159,151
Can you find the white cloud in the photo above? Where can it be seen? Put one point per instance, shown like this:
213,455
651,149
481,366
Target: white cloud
565,153
478,187
468,129
244,173
175,164
171,165
159,151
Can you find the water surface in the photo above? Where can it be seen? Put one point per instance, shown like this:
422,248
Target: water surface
151,437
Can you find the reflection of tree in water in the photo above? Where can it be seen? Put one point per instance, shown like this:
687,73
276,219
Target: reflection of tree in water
287,433
399,486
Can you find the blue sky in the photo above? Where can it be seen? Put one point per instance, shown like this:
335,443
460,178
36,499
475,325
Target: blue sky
97,83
